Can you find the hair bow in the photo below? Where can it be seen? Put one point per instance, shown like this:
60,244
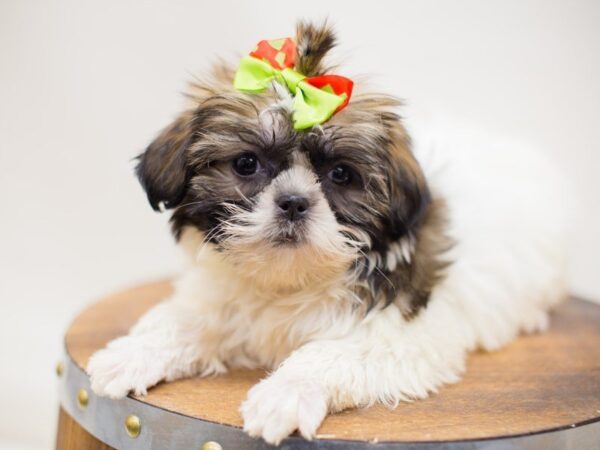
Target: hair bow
316,99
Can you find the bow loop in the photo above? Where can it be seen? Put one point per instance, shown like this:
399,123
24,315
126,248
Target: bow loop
254,76
279,53
316,99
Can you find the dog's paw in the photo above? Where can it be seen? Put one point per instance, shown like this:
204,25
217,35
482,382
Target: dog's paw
275,408
124,366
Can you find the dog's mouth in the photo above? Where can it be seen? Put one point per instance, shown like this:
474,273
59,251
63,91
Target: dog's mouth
290,235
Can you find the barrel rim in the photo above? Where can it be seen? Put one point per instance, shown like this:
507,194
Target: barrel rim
75,376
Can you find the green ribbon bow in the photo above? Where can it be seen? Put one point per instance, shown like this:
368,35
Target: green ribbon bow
311,106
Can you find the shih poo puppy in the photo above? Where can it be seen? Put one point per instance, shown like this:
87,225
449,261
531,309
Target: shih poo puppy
356,264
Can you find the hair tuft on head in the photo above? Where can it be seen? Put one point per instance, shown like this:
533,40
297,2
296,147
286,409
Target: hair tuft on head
313,43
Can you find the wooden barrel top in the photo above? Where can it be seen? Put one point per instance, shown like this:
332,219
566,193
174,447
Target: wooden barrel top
542,382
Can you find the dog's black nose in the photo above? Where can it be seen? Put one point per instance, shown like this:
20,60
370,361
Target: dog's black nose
294,207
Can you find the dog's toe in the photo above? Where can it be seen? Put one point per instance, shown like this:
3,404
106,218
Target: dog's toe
123,367
276,408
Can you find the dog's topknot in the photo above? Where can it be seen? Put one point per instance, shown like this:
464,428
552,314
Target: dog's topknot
314,41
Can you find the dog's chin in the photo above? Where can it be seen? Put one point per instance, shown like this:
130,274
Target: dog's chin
291,258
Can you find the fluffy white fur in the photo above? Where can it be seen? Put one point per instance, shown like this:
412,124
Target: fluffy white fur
506,215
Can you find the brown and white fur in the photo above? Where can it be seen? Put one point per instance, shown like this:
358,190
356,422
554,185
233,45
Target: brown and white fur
397,257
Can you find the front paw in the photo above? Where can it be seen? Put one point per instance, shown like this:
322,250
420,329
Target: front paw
124,366
275,408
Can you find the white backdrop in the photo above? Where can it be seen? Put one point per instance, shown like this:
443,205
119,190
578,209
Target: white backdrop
84,86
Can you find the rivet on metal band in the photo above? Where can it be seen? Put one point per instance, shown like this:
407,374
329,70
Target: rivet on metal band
82,398
60,368
212,445
133,425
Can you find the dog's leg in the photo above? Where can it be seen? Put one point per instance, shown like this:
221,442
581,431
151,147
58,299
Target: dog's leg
165,344
385,359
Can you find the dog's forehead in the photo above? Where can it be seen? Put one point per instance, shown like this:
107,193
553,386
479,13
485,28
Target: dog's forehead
274,121
276,125
357,143
276,135
265,122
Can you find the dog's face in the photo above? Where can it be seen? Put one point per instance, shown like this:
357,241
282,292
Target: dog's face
288,207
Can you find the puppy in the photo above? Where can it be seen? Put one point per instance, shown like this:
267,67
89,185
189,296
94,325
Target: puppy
357,266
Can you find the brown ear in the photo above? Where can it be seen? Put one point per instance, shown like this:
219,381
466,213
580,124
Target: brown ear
409,193
414,231
162,169
409,200
313,43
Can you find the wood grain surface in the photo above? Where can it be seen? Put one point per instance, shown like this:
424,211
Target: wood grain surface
71,436
537,383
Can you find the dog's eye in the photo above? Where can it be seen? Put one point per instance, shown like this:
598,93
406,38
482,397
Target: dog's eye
341,174
246,164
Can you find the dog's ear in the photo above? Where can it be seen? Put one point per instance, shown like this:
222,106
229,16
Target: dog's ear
409,193
313,43
414,232
163,168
